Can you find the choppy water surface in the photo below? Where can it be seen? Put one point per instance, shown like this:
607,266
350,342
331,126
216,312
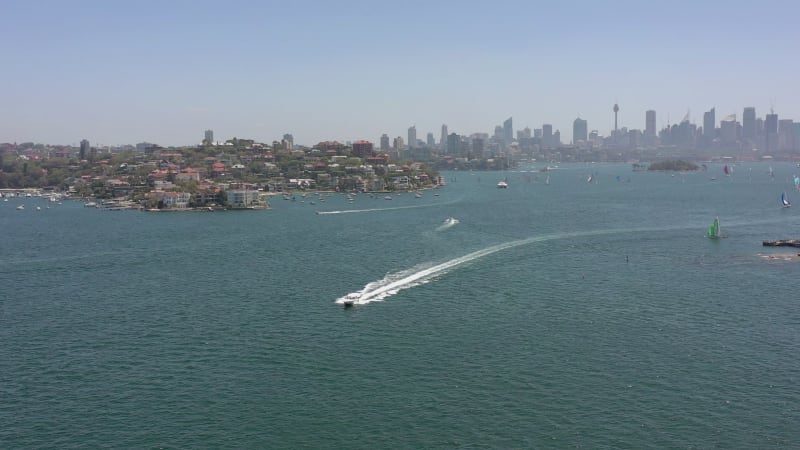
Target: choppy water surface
568,314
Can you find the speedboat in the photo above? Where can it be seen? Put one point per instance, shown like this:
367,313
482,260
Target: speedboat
350,299
450,221
21,207
502,185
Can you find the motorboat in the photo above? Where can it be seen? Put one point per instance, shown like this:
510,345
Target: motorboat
502,185
350,299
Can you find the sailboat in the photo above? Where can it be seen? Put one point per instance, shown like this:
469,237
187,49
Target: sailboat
714,230
785,201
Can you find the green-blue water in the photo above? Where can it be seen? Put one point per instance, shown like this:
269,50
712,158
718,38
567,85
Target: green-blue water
566,315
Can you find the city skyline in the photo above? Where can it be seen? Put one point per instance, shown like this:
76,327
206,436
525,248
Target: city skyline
117,74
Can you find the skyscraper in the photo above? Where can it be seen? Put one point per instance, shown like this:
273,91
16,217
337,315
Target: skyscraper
749,123
771,131
430,141
580,131
443,140
547,135
385,142
710,124
209,138
412,136
508,131
616,130
85,149
650,123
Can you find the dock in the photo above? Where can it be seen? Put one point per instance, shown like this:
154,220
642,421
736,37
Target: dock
782,243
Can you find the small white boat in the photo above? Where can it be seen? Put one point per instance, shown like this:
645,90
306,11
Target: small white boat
90,205
451,221
388,197
502,185
350,299
21,207
38,208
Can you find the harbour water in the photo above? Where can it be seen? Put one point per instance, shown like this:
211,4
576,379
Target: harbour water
560,314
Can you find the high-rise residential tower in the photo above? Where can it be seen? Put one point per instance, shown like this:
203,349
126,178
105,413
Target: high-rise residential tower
443,140
209,137
412,136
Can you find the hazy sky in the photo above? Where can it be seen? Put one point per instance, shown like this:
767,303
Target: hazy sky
118,72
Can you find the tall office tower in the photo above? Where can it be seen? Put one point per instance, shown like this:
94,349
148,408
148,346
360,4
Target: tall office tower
580,131
786,135
453,144
85,149
498,133
616,130
412,136
209,138
478,146
547,135
525,133
710,124
650,123
508,131
728,129
556,138
537,133
443,139
771,131
385,142
431,141
749,123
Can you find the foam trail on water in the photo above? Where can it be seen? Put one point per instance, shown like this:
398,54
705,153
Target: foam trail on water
447,224
424,273
350,211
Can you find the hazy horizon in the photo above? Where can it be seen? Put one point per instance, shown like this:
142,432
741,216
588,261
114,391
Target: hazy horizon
121,73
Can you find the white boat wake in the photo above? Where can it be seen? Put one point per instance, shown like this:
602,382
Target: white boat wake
350,211
395,282
450,222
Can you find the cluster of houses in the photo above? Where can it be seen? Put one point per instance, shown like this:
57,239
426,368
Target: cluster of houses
161,182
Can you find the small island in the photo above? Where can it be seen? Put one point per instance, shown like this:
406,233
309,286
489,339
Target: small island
674,166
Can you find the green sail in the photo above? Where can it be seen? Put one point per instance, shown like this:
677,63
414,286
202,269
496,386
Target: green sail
713,230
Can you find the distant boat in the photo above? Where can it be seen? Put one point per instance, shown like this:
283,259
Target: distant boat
785,201
451,221
502,185
388,197
21,207
726,170
714,230
90,205
350,299
547,181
